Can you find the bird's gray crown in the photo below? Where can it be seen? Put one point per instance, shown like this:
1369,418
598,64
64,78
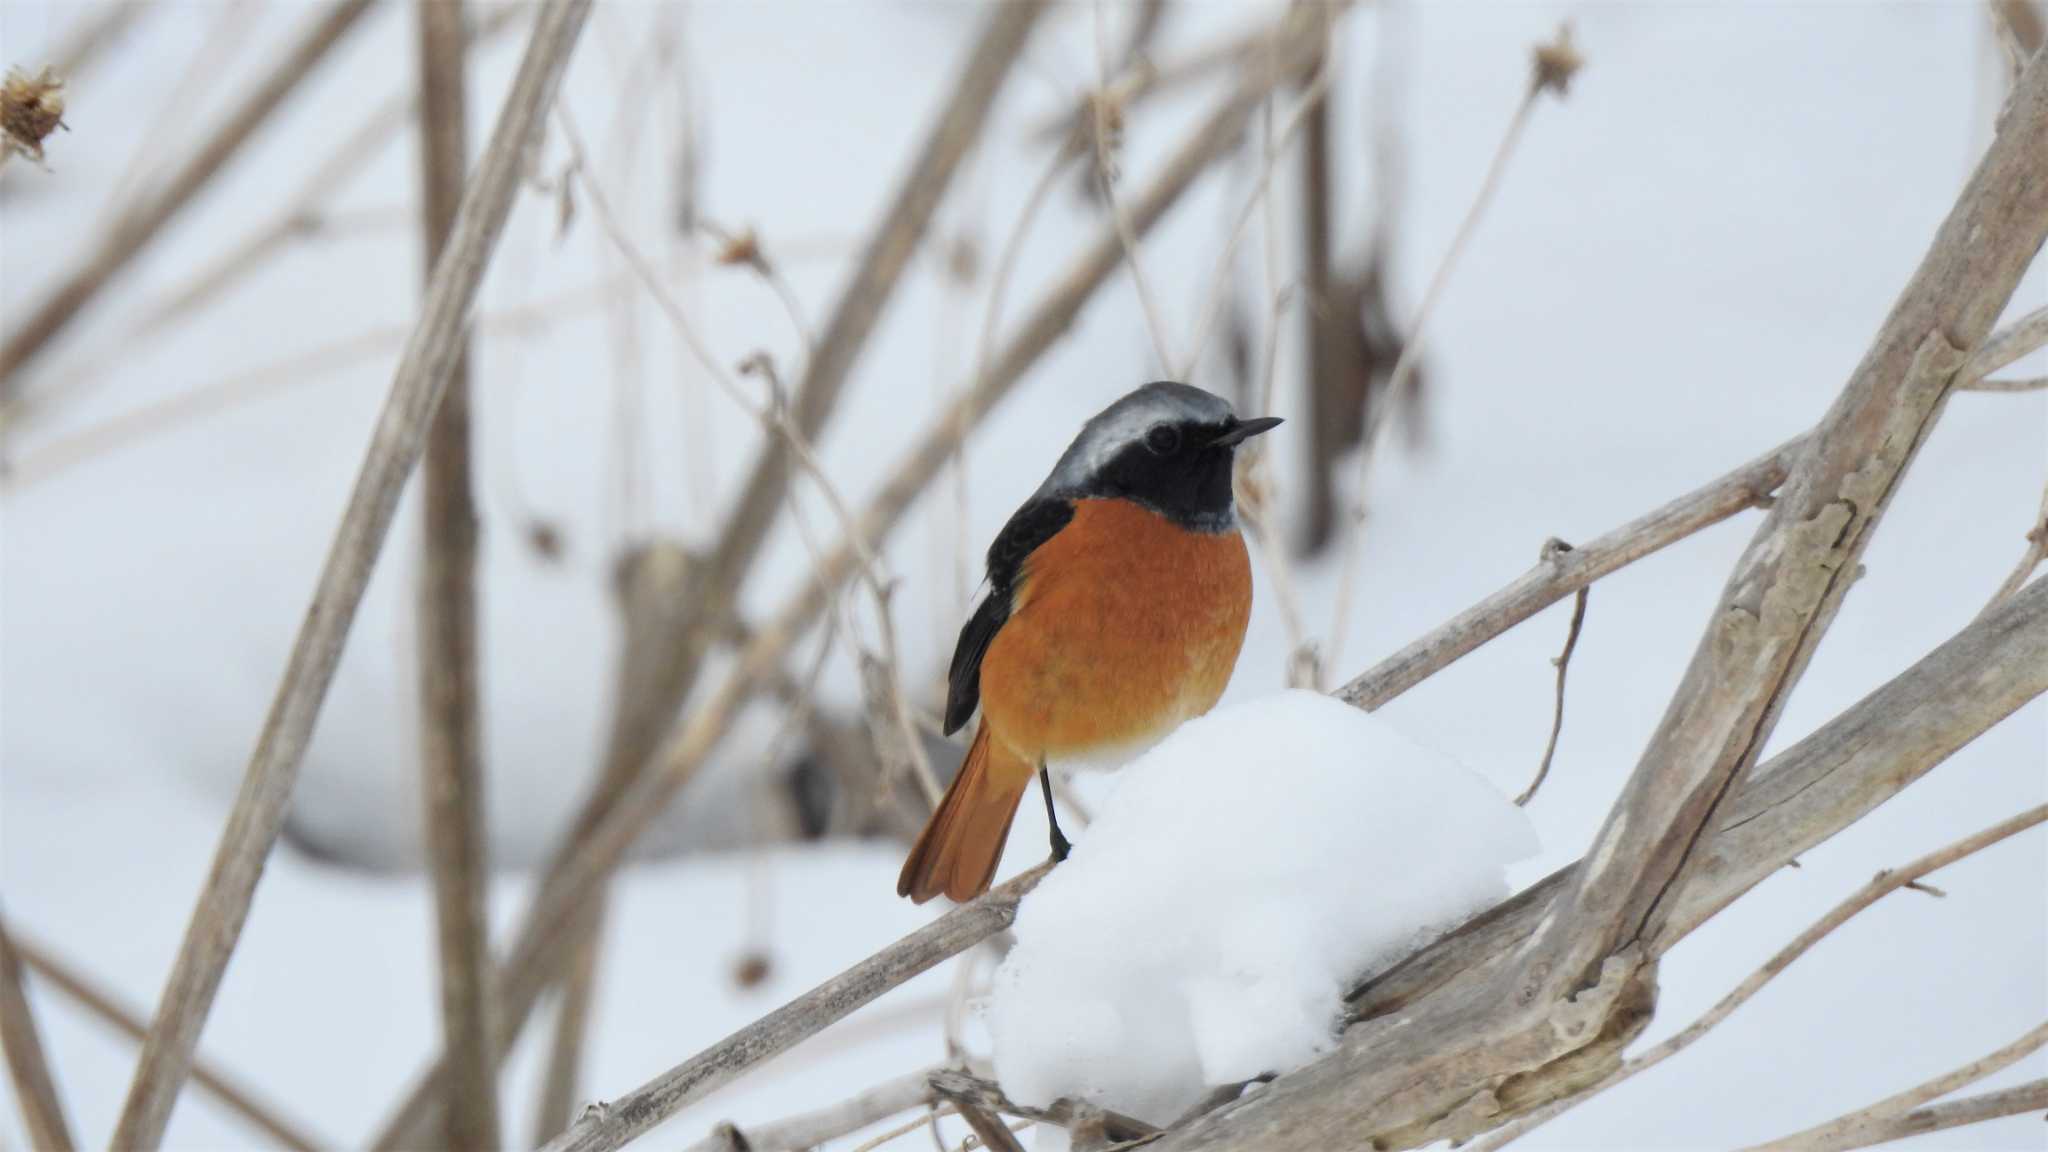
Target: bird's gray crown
1125,423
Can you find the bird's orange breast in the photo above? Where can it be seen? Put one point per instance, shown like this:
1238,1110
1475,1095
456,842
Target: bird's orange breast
1124,625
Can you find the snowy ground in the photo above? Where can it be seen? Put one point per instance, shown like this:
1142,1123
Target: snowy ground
1686,259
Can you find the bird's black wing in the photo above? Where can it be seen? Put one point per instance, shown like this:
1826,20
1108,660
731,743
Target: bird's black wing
1039,520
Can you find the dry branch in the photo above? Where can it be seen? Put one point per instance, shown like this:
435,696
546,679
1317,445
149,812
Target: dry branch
811,1129
1563,662
1786,588
612,1125
131,1024
1861,1129
35,1092
581,867
1880,886
451,736
1797,799
130,234
395,446
1867,1129
1564,573
1542,79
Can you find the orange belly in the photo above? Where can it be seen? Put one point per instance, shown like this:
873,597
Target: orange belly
1123,626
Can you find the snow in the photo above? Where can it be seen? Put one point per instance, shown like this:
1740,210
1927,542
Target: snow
1685,260
1241,875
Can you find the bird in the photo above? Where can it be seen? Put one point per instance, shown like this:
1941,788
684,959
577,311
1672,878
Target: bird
1115,604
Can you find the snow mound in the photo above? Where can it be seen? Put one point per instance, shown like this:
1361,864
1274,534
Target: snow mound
1242,874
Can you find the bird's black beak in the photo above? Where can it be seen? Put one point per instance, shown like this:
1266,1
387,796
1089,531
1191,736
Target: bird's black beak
1243,430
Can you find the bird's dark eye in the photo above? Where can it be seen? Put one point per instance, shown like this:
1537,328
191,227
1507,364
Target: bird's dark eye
1163,439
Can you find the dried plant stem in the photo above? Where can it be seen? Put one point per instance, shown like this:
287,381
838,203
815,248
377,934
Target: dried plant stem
1411,352
581,865
558,1086
451,737
35,1092
94,33
1563,663
1305,111
1565,573
2033,384
2004,348
302,216
230,31
129,1023
221,394
633,1114
1880,886
2036,552
1107,127
133,232
814,1128
1869,1128
1863,1128
416,390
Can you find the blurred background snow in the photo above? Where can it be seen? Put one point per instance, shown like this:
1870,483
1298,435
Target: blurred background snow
1687,257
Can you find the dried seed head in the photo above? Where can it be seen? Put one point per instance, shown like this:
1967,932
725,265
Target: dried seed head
752,969
740,248
31,107
1556,63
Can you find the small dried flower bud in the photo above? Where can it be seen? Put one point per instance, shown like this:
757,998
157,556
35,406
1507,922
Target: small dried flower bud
1556,63
31,107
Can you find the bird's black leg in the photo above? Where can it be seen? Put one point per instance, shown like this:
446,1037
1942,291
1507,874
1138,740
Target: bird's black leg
1060,847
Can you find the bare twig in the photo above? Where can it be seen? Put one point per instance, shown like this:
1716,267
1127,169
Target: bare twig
35,1092
1880,886
2032,384
231,28
451,744
558,1086
93,34
1550,581
636,1112
422,375
119,244
1551,550
1108,119
1797,799
992,1132
1870,1125
2004,348
1306,110
589,858
220,394
302,216
961,1086
129,1023
1354,551
2036,551
1784,592
814,1128
1867,1130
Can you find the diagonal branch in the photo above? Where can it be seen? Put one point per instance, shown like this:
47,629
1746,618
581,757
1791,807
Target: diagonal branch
451,737
1787,586
1857,1129
42,1113
1872,1126
416,389
128,1022
1880,886
134,231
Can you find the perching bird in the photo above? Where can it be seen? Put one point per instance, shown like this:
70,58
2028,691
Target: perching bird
1117,601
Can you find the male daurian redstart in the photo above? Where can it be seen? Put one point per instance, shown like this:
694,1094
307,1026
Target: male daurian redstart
1116,604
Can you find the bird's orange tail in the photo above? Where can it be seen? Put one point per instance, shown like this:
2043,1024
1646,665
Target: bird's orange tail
957,852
